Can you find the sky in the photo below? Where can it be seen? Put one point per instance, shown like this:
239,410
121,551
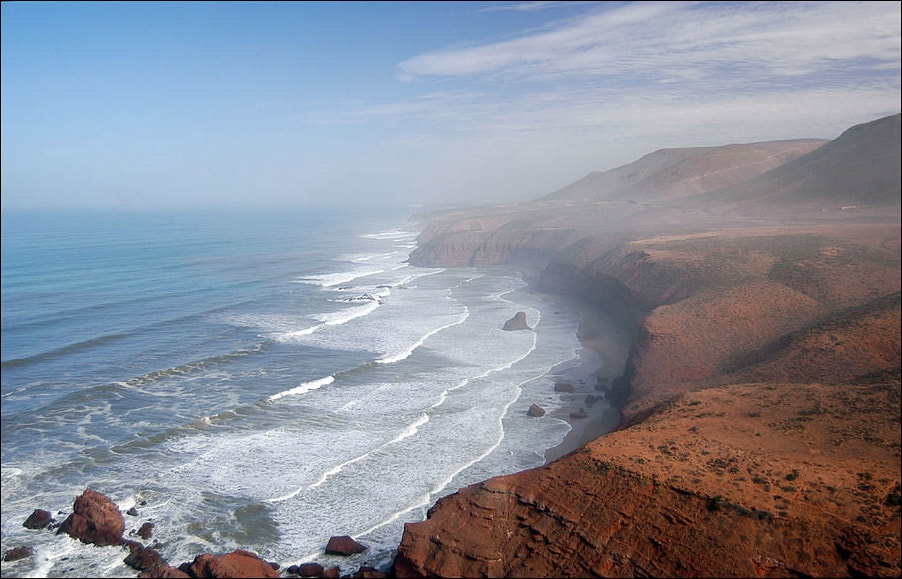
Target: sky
154,105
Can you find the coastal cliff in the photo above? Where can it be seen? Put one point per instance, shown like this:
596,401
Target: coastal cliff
761,399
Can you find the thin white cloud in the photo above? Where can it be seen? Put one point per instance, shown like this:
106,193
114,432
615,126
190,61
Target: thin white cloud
671,40
527,6
522,117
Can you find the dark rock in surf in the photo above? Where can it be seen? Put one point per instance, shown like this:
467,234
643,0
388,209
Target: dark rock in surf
563,387
96,519
343,545
144,558
17,553
133,512
146,530
163,571
38,519
581,413
238,563
518,322
367,572
535,411
310,570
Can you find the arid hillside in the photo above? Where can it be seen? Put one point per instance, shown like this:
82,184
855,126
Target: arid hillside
761,398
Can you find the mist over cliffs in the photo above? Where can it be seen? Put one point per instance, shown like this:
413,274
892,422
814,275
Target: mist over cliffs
682,191
760,401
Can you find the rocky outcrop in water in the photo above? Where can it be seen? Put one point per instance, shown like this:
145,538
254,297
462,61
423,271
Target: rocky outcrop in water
141,557
39,519
95,519
145,531
238,563
518,322
343,545
17,553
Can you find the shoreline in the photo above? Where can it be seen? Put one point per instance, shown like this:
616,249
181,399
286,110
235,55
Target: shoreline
602,359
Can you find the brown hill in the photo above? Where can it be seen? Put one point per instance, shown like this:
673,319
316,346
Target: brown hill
858,169
761,398
670,174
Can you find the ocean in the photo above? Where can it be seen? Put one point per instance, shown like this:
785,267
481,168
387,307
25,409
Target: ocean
258,380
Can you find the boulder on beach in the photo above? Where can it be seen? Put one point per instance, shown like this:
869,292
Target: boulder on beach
367,572
146,530
518,322
95,519
581,413
38,519
17,553
309,570
142,558
239,563
163,571
563,387
343,545
535,411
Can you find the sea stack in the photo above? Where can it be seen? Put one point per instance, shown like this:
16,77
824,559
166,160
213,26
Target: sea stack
518,322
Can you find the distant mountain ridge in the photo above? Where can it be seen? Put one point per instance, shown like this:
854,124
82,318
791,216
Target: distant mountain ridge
682,191
670,174
859,168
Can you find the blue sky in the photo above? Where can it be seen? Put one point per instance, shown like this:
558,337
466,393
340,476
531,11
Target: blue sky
195,104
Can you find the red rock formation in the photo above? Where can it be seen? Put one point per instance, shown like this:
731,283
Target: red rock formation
238,563
38,519
164,571
17,553
310,570
343,545
142,558
584,517
95,519
145,531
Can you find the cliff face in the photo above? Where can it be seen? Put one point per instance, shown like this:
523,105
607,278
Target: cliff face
761,426
744,495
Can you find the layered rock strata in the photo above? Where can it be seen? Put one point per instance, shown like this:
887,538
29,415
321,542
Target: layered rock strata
761,398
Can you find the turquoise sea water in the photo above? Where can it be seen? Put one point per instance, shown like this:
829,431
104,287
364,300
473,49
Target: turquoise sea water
257,380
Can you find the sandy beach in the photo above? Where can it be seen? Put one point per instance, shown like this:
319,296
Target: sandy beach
605,348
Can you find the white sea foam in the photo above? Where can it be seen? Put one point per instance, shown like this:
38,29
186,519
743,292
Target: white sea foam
346,315
303,388
328,280
411,429
393,234
406,432
407,352
371,257
331,319
457,395
418,275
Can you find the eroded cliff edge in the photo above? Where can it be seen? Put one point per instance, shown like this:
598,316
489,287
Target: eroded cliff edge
761,410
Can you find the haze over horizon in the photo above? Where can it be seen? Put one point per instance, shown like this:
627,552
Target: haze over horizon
145,105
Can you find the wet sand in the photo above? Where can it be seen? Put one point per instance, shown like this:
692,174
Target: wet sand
605,348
